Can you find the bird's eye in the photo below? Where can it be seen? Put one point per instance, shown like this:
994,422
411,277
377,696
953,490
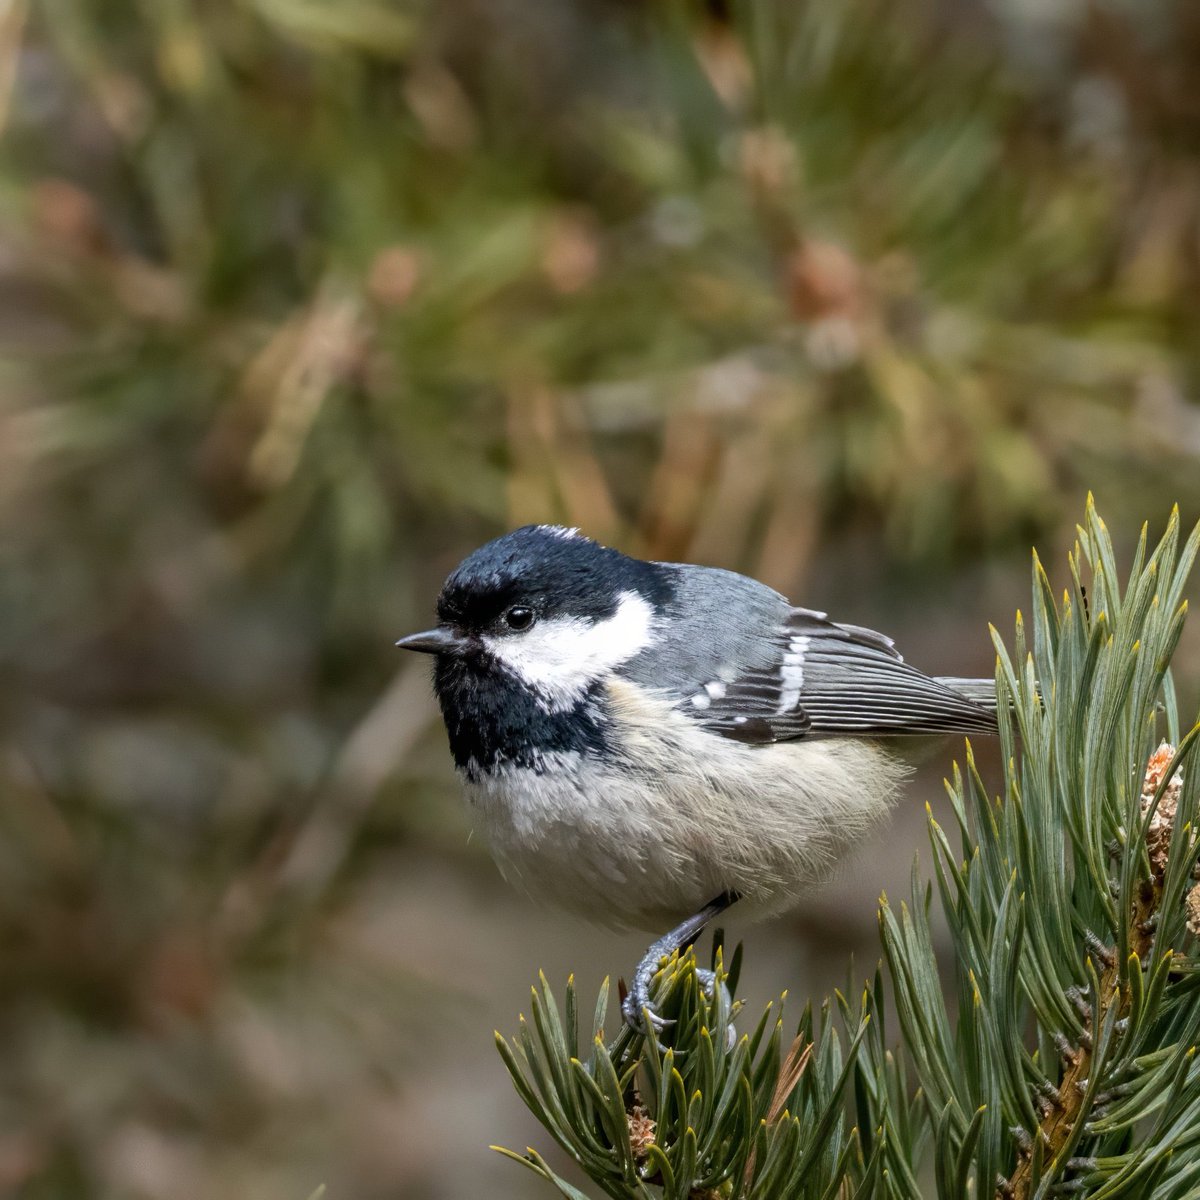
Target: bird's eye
519,617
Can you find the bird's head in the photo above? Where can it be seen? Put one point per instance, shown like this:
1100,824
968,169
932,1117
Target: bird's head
547,608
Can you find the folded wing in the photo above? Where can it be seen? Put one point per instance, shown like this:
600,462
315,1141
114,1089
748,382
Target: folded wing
828,678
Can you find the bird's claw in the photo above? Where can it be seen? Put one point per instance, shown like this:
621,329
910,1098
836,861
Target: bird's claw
638,1007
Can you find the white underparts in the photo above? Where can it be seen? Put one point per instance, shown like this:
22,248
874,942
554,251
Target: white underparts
561,657
792,673
674,815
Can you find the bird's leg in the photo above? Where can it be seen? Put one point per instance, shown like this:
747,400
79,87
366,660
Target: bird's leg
637,1001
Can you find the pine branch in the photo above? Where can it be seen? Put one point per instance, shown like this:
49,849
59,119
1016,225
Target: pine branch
706,1116
1069,1065
1067,1102
1160,793
1091,847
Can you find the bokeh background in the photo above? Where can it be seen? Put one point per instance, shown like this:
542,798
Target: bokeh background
300,300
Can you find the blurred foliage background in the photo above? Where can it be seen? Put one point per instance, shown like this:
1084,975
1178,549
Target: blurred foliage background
302,299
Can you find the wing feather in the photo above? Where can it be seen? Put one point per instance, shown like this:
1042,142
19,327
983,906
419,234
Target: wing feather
828,678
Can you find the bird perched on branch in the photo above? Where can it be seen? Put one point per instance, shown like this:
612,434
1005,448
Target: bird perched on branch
649,742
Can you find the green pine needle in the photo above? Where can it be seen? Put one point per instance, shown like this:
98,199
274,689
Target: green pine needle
1061,1056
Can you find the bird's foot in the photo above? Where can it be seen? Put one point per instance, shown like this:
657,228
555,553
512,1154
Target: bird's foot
639,1010
637,1007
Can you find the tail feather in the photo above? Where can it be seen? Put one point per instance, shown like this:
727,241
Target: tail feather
978,691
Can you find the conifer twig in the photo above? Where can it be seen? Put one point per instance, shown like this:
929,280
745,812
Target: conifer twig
1066,1108
1161,788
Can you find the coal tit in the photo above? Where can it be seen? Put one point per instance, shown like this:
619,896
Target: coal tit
650,741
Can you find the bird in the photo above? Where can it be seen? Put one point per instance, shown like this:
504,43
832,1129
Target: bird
648,743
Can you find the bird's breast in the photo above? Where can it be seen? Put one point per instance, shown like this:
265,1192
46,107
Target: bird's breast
649,825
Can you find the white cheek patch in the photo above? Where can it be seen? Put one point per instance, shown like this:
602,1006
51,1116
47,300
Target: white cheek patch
791,674
563,656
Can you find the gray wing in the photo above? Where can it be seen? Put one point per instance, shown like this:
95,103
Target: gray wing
826,678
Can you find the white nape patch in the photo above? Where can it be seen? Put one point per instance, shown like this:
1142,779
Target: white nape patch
792,673
561,531
561,657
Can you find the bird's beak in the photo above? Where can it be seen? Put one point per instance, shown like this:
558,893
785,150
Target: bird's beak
435,641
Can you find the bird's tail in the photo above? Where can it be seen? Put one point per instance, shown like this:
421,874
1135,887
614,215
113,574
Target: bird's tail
978,691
